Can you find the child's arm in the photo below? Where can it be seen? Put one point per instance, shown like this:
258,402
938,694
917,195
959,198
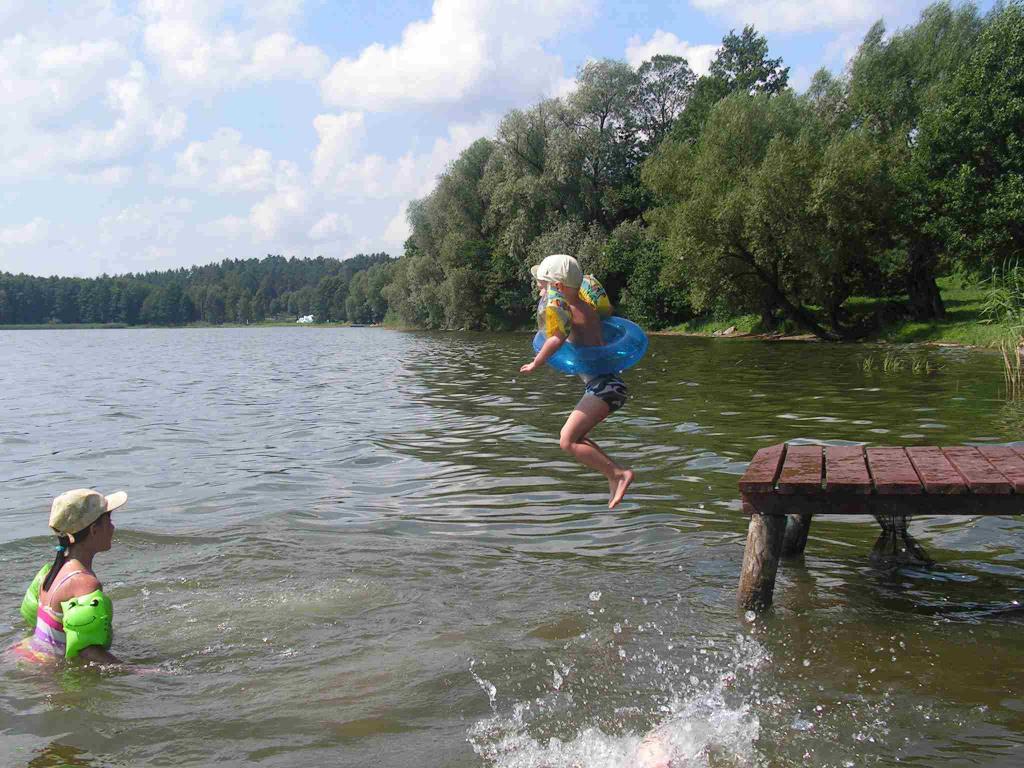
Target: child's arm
99,655
551,345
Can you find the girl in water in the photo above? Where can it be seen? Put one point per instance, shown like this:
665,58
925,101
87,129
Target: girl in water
65,605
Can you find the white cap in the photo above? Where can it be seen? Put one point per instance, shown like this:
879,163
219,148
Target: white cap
559,268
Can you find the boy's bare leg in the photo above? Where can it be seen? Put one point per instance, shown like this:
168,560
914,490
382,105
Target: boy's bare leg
589,412
612,481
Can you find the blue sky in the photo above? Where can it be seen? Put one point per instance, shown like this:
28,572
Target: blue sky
167,133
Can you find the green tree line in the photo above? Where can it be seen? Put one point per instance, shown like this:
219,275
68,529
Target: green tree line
730,193
233,291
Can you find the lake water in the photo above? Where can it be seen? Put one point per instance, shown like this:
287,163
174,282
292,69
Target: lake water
356,547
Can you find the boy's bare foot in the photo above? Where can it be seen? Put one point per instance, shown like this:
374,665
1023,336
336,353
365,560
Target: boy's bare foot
620,488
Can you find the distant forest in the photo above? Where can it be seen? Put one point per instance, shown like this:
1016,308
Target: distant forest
688,196
234,291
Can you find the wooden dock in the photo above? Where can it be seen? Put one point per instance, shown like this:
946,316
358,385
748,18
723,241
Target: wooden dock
786,485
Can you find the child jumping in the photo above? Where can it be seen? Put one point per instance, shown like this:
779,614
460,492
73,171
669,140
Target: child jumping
571,308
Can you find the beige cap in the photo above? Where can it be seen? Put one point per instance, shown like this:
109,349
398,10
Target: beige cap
76,510
559,268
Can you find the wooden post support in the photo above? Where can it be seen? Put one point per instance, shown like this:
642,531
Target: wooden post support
761,561
795,539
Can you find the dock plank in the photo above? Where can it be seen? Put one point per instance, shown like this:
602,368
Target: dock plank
1008,462
980,475
935,471
802,469
846,469
892,472
763,470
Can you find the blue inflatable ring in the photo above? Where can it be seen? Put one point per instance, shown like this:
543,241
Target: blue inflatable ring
624,344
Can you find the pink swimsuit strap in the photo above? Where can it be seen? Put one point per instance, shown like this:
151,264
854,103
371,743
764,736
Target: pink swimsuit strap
57,586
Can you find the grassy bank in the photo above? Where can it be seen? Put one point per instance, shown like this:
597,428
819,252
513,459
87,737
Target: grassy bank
964,323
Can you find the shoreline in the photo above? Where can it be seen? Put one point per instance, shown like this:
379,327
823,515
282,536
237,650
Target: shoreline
775,337
811,338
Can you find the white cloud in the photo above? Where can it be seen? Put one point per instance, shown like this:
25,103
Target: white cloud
280,56
40,80
397,231
699,57
138,120
224,164
147,235
31,233
269,215
329,226
112,176
66,61
194,48
800,78
228,227
148,220
78,21
281,213
463,49
348,177
796,15
844,47
343,172
562,88
303,210
74,107
340,136
273,13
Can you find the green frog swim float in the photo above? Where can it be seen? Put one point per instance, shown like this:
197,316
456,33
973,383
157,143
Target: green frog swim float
88,620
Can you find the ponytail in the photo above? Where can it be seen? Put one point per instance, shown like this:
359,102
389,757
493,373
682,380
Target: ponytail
63,542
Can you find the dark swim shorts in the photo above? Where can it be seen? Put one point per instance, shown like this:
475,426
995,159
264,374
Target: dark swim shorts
610,388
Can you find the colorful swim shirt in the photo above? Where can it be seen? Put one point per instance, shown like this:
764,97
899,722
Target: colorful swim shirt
554,314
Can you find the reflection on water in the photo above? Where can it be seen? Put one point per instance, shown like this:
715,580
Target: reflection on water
356,547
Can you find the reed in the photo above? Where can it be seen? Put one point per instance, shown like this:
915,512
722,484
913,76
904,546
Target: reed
1013,368
924,365
893,363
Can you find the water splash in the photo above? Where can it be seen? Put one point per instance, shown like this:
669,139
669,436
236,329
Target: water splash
488,687
706,720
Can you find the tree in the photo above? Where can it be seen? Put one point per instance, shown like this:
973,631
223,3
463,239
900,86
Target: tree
972,150
663,87
754,213
377,278
633,252
356,306
894,83
212,292
414,292
329,305
156,309
742,63
597,142
65,301
214,308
